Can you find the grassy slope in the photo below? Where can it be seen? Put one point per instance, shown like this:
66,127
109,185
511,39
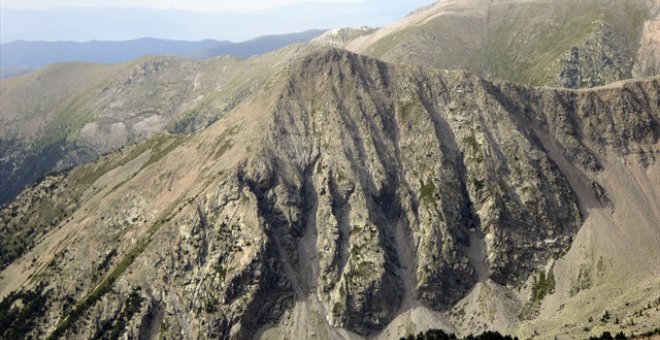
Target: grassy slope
39,131
516,41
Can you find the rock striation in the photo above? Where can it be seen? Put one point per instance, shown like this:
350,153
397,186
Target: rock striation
344,193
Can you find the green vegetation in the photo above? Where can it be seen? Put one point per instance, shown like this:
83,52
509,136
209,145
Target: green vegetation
18,320
407,111
471,142
545,285
338,308
221,270
19,230
113,329
224,141
86,175
608,336
164,145
521,42
478,184
473,148
103,266
27,163
606,317
427,191
389,42
437,334
106,284
428,194
576,22
39,159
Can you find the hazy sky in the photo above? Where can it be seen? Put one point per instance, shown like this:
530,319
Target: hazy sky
193,5
85,20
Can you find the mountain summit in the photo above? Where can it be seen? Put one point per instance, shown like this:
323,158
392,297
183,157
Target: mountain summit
348,195
343,197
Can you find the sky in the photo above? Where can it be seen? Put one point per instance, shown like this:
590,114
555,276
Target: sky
191,5
114,20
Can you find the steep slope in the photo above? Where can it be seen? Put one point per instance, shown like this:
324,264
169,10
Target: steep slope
350,197
68,114
575,43
648,58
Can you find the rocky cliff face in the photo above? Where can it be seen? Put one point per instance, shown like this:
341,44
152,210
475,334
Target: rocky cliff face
648,62
343,196
88,110
601,58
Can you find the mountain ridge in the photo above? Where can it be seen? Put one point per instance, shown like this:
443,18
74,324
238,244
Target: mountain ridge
577,66
553,44
296,206
86,110
316,192
36,54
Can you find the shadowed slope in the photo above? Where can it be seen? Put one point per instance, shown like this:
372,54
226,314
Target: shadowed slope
343,195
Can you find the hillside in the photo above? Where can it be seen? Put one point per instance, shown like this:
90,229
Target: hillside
350,197
576,43
68,114
479,165
36,54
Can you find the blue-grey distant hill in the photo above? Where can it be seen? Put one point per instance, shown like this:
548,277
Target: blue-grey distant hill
22,55
254,46
120,24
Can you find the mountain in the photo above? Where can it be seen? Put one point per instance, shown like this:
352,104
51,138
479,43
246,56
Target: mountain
339,37
256,46
603,41
351,197
572,44
7,72
316,192
85,110
36,54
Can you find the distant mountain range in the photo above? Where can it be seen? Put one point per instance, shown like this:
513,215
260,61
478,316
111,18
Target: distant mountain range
119,24
18,56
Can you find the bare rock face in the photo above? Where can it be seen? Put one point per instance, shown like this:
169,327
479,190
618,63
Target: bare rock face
602,58
357,188
84,111
648,55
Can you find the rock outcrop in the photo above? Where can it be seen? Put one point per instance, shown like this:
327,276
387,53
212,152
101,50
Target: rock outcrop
576,44
345,193
602,58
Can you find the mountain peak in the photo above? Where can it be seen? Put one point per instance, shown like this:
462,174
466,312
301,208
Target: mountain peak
316,192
